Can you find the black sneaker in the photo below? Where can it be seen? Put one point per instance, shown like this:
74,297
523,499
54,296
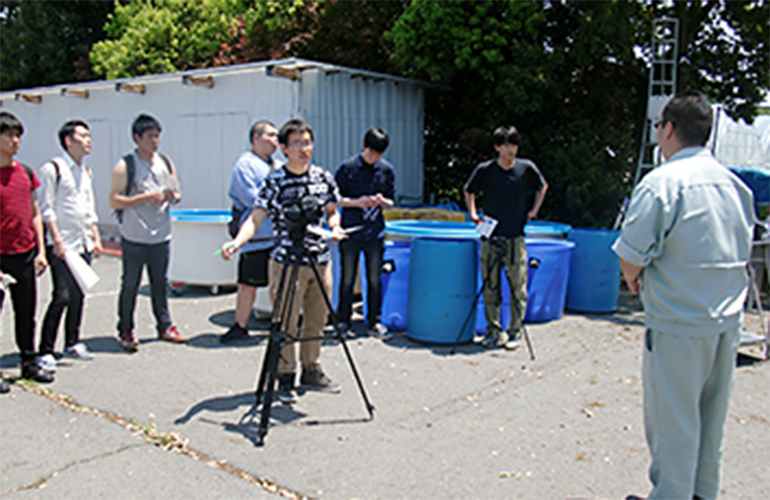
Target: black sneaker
236,332
285,393
5,387
315,379
31,370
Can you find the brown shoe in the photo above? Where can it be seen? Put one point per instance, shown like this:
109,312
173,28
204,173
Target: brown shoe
172,335
128,342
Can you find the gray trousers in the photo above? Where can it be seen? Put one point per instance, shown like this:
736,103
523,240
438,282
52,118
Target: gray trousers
687,384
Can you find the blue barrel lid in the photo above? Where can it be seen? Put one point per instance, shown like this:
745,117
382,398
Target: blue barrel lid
542,227
201,215
464,230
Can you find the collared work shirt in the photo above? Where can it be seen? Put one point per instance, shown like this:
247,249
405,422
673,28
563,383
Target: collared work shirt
689,225
249,173
69,202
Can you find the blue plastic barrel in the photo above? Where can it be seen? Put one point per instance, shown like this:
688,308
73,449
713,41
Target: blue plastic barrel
395,286
546,229
442,286
547,278
594,281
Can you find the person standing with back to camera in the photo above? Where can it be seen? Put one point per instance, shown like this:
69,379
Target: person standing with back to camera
282,190
513,189
684,246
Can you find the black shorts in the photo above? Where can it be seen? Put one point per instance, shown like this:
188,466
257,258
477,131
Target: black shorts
252,268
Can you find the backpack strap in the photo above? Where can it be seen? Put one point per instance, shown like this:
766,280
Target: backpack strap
130,168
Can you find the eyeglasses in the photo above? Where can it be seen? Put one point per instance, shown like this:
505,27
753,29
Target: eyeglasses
301,145
662,122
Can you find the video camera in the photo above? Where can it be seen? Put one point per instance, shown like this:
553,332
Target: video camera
300,213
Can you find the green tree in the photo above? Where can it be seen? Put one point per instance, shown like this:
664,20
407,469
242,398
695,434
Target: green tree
570,75
147,37
48,42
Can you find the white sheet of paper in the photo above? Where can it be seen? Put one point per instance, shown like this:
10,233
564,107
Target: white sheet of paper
85,277
486,226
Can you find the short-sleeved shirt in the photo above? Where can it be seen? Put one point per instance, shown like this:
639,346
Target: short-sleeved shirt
508,194
357,178
249,172
283,189
689,225
147,223
17,234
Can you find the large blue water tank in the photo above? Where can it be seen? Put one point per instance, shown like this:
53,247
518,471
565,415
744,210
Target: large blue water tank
442,286
547,278
594,280
395,285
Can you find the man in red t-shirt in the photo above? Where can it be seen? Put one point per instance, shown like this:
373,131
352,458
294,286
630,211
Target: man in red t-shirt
21,245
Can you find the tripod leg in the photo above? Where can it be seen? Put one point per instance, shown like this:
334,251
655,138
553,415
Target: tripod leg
484,283
529,344
275,344
341,337
277,320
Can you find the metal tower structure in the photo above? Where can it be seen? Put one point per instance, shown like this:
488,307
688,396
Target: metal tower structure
661,88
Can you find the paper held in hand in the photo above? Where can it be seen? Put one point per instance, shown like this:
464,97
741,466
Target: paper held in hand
486,226
85,277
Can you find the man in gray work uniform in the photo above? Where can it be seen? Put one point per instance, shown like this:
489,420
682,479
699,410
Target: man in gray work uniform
684,246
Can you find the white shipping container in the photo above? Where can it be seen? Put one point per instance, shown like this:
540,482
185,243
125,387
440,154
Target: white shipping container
206,115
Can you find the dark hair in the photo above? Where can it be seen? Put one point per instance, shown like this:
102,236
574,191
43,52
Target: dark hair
68,130
143,123
259,128
292,126
10,122
691,115
506,133
376,139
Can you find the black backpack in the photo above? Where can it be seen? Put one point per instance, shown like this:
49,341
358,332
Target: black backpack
130,169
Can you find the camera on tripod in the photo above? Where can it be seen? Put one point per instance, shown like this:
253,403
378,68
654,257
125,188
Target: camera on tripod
300,213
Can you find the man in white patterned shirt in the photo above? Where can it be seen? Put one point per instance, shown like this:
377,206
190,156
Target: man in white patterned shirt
69,213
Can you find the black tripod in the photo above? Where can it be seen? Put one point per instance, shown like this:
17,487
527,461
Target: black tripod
532,263
279,337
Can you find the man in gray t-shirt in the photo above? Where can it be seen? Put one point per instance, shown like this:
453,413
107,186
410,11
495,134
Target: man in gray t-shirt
144,185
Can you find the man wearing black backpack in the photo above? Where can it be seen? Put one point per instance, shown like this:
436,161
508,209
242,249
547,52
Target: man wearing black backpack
69,213
144,185
249,172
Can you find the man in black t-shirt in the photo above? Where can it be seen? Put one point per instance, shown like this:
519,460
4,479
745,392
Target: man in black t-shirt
513,191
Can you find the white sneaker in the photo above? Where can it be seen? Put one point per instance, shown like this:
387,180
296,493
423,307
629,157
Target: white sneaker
380,331
79,351
47,362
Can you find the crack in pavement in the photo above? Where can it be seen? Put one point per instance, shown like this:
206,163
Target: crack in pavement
167,441
40,483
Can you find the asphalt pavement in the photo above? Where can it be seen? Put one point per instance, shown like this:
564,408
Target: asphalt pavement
179,421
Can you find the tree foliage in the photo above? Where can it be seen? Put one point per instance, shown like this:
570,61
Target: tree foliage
147,37
572,77
43,43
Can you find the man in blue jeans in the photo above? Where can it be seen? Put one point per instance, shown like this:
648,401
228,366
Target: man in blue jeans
367,186
143,187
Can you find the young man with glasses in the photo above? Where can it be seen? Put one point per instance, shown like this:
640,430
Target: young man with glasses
69,213
281,192
684,246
